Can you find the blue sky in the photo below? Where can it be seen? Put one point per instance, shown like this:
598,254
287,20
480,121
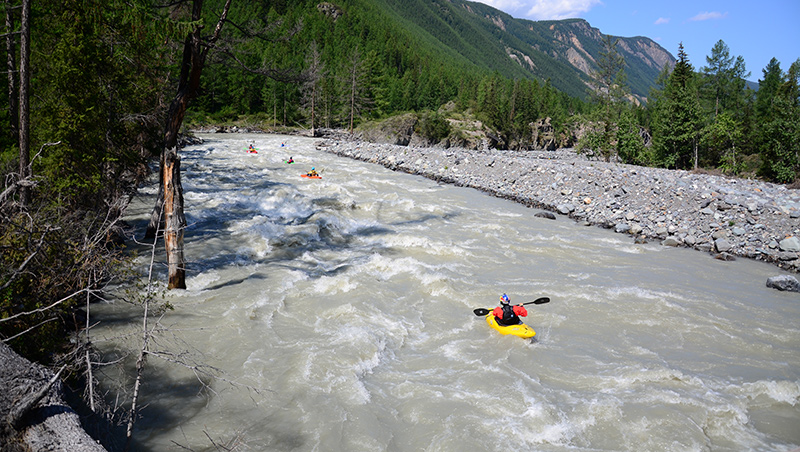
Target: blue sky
756,30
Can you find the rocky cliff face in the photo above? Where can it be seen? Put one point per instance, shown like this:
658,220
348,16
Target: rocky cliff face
580,44
575,44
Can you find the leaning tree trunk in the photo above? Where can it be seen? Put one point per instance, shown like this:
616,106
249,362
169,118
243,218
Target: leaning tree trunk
170,197
175,220
155,216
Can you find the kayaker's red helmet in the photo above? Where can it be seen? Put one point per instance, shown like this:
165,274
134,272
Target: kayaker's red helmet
504,299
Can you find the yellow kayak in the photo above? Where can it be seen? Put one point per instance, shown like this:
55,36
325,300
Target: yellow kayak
519,329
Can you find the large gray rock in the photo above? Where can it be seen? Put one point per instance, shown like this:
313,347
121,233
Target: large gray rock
622,227
790,244
784,282
399,130
565,209
722,245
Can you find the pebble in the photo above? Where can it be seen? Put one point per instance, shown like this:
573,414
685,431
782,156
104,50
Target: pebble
714,214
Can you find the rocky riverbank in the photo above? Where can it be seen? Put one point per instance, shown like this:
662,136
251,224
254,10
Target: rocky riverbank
723,216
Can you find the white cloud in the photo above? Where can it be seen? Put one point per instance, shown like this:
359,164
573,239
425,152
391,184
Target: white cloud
543,9
662,20
559,9
504,5
709,15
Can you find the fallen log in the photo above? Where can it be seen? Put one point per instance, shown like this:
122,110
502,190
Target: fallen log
33,413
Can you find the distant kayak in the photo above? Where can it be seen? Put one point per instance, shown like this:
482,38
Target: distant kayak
310,177
288,162
520,329
252,151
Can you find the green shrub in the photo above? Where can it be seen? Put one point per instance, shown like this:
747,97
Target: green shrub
433,126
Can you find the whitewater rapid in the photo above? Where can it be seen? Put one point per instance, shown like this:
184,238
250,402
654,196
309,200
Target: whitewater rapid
339,314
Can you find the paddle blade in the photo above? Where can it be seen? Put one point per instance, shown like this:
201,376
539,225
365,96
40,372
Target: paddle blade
481,311
542,300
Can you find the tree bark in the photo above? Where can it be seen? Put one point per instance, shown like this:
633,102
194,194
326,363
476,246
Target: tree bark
11,67
24,105
170,198
155,223
175,220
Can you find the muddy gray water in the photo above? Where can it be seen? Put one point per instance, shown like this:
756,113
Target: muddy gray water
348,301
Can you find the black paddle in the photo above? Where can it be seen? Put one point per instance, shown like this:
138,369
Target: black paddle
484,311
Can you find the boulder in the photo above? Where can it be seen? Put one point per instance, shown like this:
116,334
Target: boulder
784,282
397,130
543,135
622,228
791,244
722,245
565,209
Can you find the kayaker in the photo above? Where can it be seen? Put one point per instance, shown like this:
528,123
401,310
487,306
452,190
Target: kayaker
312,173
506,314
291,160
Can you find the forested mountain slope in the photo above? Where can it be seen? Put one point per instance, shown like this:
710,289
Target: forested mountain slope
565,51
416,55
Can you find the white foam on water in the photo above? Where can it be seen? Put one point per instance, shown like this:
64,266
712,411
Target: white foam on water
333,285
426,245
350,301
782,391
202,280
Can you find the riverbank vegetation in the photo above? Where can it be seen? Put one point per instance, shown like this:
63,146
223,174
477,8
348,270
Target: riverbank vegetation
102,74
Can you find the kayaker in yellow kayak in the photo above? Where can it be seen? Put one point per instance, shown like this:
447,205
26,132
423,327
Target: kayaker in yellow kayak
506,314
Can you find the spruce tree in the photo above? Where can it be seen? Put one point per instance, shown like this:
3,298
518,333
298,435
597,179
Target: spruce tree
780,148
767,87
679,120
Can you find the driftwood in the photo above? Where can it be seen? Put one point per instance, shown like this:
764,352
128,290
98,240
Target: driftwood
33,413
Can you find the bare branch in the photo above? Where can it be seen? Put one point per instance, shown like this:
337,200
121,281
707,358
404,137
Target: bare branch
30,329
45,308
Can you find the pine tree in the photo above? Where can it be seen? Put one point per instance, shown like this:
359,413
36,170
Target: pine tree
724,80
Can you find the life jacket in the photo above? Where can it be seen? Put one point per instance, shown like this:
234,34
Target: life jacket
509,317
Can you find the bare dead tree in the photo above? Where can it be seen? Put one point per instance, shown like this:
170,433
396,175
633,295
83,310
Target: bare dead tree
356,85
315,72
11,67
168,210
24,100
169,205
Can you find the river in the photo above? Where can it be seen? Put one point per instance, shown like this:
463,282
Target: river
340,311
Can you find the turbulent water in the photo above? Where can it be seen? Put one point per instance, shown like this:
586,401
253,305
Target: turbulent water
341,313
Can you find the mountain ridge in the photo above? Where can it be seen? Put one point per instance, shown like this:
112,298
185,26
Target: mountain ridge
561,51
